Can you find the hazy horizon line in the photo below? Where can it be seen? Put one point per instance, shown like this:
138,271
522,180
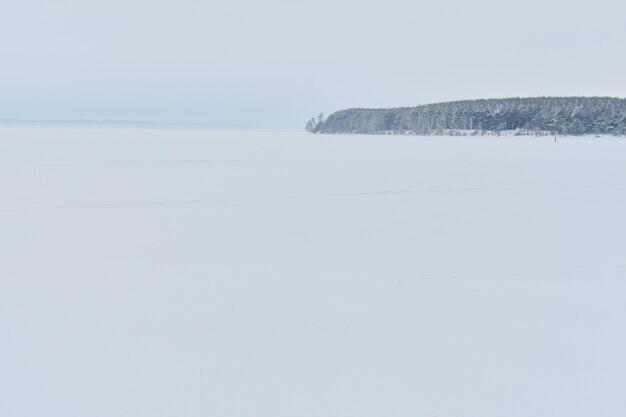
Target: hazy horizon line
15,120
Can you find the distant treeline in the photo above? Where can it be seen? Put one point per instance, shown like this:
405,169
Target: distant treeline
531,116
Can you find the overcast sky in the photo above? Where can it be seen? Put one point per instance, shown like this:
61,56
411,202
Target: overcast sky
275,63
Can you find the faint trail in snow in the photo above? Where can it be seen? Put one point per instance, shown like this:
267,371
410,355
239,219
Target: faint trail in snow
462,190
165,203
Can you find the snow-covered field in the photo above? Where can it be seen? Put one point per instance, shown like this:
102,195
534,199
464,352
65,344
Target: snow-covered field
163,273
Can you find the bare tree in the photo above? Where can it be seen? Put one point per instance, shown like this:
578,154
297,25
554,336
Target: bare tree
314,126
311,125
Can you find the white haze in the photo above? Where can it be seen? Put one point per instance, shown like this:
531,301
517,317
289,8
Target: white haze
161,274
278,62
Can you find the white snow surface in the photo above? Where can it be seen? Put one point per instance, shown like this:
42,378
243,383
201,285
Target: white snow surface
163,273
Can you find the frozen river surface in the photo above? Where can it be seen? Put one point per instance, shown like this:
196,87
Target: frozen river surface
163,273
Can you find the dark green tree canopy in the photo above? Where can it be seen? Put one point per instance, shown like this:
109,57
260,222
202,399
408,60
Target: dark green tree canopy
562,115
